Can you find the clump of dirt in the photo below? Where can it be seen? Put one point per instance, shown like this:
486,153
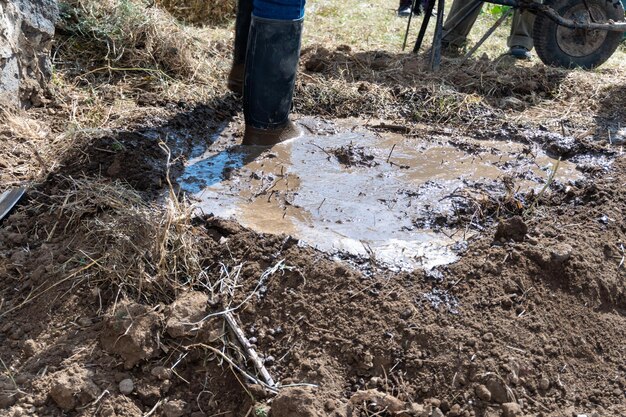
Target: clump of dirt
512,228
353,155
131,331
73,387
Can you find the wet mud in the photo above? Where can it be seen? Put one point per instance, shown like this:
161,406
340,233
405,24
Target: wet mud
348,190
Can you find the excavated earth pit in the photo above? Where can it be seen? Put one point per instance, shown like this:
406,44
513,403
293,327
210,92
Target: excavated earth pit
369,193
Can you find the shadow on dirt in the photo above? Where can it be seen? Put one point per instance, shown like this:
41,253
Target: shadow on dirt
140,156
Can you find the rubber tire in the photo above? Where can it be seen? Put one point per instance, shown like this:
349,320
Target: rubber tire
547,46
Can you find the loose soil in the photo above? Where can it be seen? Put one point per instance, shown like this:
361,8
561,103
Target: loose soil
530,320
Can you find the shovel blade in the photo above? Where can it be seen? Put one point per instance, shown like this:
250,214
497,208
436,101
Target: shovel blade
9,199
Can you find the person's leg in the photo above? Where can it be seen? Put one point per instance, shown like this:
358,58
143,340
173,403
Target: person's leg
242,28
270,70
520,41
457,25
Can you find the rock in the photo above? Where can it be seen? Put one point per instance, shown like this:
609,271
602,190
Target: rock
488,337
436,413
512,103
174,408
498,390
512,229
455,411
26,31
482,393
29,348
22,379
73,387
161,372
85,321
131,333
511,410
126,386
406,314
561,252
187,309
7,400
544,384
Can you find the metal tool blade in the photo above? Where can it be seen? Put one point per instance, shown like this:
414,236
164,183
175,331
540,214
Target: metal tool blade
9,199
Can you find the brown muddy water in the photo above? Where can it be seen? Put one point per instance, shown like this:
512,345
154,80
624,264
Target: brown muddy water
351,191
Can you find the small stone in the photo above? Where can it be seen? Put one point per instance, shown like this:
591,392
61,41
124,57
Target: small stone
455,411
21,379
511,410
435,402
482,393
488,337
85,321
269,361
174,408
406,314
29,348
7,400
437,413
544,384
561,252
161,372
126,386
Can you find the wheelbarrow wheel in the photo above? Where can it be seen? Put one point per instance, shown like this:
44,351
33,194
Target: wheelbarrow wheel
571,48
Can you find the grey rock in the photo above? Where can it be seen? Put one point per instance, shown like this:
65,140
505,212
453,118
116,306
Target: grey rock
26,32
126,386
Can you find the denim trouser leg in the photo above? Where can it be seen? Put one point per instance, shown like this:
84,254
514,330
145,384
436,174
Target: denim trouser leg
279,9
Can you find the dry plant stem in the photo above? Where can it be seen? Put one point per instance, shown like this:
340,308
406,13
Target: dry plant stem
234,365
250,352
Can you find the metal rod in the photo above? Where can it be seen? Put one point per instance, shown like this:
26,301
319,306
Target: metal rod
420,37
487,34
408,25
435,59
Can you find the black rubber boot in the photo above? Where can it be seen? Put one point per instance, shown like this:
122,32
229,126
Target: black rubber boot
242,29
270,76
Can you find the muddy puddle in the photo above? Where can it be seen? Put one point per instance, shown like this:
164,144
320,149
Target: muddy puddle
350,191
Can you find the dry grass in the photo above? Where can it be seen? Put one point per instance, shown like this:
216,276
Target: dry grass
144,250
28,151
133,37
199,12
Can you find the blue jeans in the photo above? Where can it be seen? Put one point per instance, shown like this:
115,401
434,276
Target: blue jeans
279,9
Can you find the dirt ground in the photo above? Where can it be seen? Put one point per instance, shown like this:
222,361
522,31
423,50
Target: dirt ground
113,295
